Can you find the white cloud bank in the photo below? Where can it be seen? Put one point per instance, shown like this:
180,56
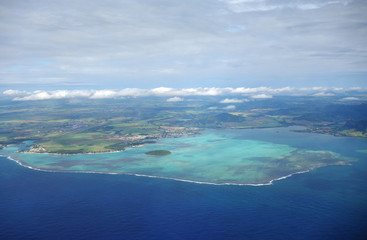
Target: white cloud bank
230,107
350,99
175,99
324,94
234,100
176,94
262,96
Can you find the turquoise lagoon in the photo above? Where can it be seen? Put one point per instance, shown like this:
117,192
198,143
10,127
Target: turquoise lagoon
216,156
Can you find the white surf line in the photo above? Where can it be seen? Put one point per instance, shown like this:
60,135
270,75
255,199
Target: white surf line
159,177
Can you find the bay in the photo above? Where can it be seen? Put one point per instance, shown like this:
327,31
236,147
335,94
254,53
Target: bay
217,156
325,203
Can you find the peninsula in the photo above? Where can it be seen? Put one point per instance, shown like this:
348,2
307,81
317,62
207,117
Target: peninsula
196,140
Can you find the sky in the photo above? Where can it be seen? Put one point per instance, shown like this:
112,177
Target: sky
121,44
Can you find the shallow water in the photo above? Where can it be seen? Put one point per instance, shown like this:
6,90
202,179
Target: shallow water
325,203
255,156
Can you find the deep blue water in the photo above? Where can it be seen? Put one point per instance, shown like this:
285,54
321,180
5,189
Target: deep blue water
327,203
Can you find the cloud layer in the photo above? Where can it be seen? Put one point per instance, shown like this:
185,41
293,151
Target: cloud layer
189,43
240,6
175,99
234,100
175,94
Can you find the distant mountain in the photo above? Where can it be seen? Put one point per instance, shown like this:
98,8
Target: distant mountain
336,112
215,120
356,125
227,117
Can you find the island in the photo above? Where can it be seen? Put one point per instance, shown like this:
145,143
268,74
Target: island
255,142
97,126
158,153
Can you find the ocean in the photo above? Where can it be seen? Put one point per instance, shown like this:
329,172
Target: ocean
325,203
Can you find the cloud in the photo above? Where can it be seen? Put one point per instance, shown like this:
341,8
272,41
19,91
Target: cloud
350,99
162,91
212,108
230,107
261,96
240,6
355,89
146,44
323,94
105,94
175,99
11,92
234,100
176,94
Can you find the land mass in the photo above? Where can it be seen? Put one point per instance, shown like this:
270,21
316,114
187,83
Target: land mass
96,126
158,153
217,156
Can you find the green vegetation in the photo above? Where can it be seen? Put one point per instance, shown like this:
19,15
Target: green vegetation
89,126
158,153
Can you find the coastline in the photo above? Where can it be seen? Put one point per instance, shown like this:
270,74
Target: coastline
42,150
86,153
268,179
270,182
293,128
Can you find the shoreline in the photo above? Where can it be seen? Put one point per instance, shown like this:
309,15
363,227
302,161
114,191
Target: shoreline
297,128
102,152
262,182
270,182
87,153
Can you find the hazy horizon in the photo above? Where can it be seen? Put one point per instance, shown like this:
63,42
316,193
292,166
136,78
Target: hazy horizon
48,45
238,95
